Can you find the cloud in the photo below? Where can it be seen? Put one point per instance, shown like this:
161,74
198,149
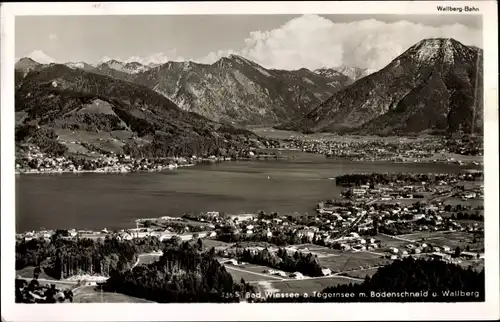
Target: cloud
41,57
53,36
312,42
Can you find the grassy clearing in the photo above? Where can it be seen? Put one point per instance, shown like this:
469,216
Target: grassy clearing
320,251
209,243
388,241
102,140
76,148
352,260
448,238
148,259
90,295
470,202
362,273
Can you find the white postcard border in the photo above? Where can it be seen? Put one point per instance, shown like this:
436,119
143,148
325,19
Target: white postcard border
219,312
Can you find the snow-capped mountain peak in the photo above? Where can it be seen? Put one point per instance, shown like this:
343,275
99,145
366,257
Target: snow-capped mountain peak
126,67
40,57
438,50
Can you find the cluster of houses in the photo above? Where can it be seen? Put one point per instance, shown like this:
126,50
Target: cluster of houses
122,235
385,193
444,253
355,242
401,150
32,160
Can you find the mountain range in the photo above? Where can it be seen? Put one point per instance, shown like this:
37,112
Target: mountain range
89,111
435,85
233,89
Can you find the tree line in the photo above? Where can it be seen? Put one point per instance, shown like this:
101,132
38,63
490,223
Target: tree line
62,258
307,264
358,179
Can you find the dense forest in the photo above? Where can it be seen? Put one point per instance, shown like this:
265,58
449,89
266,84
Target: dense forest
43,137
62,258
433,280
408,178
184,273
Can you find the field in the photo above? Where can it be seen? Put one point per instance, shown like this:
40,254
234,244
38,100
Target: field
352,260
388,241
446,238
102,140
88,294
209,243
361,273
250,272
457,201
147,259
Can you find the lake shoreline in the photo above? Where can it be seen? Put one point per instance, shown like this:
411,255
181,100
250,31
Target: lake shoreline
93,200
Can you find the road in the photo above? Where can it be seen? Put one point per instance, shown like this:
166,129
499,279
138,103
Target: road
353,224
441,197
250,272
310,278
373,201
281,279
145,254
399,238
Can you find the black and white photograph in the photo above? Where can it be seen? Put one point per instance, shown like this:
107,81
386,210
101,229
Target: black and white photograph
258,158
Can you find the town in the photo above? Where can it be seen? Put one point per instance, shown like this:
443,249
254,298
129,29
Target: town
461,151
378,218
31,160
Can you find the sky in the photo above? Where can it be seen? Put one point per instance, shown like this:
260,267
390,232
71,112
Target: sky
273,41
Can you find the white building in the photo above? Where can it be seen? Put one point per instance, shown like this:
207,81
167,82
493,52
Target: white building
297,275
326,271
242,217
232,261
345,247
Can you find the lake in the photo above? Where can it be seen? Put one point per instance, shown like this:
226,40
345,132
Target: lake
115,201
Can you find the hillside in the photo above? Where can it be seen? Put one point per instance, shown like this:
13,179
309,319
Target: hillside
237,90
80,106
435,85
